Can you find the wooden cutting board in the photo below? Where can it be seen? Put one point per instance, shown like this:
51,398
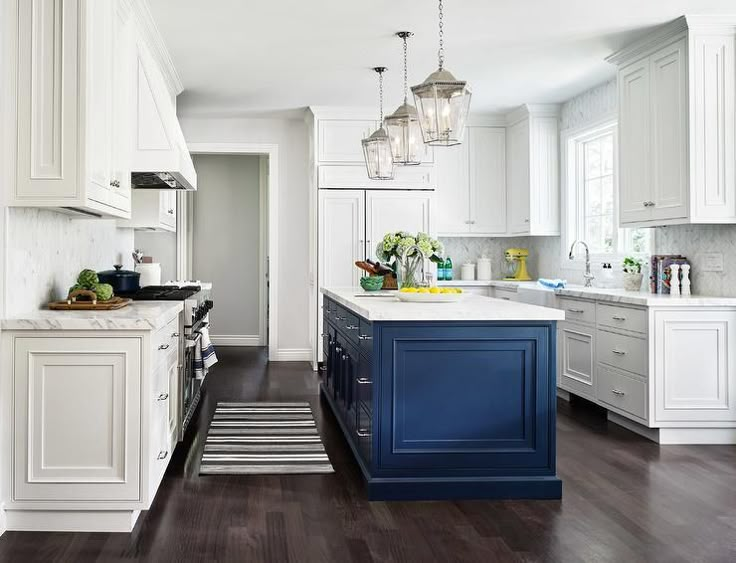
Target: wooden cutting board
109,305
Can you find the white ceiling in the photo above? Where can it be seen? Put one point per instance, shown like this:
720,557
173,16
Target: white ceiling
245,57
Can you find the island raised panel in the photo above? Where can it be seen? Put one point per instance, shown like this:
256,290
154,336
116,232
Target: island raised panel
463,398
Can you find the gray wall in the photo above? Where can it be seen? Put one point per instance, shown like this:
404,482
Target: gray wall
162,247
226,235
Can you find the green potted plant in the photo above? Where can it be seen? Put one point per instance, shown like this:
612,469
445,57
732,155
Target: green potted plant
632,274
392,248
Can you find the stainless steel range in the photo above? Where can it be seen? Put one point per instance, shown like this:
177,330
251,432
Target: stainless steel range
197,298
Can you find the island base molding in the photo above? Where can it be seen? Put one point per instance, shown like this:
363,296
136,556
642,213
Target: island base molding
71,520
677,436
495,488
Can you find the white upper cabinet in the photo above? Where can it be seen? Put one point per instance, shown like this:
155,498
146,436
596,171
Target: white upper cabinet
676,107
395,211
471,184
152,210
70,116
532,175
339,140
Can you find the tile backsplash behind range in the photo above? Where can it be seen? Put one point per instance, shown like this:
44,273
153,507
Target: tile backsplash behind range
47,249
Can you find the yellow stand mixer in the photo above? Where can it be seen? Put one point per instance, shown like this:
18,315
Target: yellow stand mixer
516,264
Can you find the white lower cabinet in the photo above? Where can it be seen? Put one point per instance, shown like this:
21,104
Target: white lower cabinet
671,370
94,423
77,419
577,359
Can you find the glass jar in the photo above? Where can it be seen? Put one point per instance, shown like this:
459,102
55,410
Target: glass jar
410,270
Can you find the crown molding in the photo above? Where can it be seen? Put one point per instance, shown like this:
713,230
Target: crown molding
532,110
152,36
651,42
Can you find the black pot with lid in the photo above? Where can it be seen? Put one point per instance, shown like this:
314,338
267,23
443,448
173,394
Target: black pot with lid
122,281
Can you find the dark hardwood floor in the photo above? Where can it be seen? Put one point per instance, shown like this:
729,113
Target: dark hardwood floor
624,499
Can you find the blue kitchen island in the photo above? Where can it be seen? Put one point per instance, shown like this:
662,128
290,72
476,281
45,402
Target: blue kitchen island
444,400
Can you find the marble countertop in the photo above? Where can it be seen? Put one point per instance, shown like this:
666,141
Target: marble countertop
139,315
470,308
465,283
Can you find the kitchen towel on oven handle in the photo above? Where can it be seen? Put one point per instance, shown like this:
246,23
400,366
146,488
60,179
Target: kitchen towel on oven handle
204,353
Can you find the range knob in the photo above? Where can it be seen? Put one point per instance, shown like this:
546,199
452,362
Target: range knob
209,304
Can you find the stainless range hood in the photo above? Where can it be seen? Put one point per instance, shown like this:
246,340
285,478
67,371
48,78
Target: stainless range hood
160,159
160,181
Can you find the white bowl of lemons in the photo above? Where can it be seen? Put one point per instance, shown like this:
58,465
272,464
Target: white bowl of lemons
430,294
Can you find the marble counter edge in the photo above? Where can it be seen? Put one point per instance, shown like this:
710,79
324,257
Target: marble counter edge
531,313
649,300
135,317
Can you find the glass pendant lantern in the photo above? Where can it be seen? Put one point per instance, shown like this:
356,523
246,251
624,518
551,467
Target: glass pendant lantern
377,147
403,124
442,101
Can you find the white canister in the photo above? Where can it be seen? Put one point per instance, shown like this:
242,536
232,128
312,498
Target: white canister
467,271
150,273
484,269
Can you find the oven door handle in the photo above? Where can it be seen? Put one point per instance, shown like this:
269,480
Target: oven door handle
191,342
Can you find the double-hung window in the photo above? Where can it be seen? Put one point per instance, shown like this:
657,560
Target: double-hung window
591,202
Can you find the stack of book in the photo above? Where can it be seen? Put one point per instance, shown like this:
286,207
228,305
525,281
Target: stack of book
660,275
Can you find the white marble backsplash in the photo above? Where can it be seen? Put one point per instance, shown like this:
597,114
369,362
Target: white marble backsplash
47,249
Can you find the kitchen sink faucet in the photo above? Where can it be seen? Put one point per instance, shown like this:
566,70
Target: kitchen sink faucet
587,275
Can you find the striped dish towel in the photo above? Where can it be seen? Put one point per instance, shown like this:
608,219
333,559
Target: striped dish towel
204,354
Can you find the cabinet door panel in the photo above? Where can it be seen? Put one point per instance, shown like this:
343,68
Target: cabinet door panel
77,418
48,94
341,237
487,171
99,78
694,366
669,126
577,353
395,211
339,140
635,142
711,132
453,190
518,177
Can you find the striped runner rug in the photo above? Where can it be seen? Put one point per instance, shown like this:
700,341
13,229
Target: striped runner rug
263,438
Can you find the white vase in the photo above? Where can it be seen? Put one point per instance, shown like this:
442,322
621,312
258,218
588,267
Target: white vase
632,282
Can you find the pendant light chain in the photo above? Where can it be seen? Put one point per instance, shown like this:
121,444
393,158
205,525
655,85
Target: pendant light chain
441,52
406,79
380,94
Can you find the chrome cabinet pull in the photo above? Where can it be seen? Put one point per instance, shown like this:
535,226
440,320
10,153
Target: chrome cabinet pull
322,368
163,347
364,337
351,327
363,381
344,357
163,397
579,311
618,393
174,335
363,433
162,454
617,318
619,352
338,350
339,318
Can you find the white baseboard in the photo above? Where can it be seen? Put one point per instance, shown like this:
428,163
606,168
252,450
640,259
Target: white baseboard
235,339
3,525
564,395
72,520
677,436
291,355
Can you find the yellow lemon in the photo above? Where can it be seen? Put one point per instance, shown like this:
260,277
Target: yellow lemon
434,289
409,289
458,290
422,290
445,290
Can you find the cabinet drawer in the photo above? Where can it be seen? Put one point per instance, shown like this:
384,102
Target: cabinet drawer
624,318
624,352
364,385
623,392
364,434
365,337
166,342
505,294
577,310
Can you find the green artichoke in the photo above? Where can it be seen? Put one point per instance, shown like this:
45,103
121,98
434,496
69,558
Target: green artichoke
88,279
103,291
75,287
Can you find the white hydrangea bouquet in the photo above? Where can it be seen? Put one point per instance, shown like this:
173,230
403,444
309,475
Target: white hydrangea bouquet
390,250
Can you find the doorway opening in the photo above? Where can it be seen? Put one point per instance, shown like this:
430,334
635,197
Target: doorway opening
227,235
